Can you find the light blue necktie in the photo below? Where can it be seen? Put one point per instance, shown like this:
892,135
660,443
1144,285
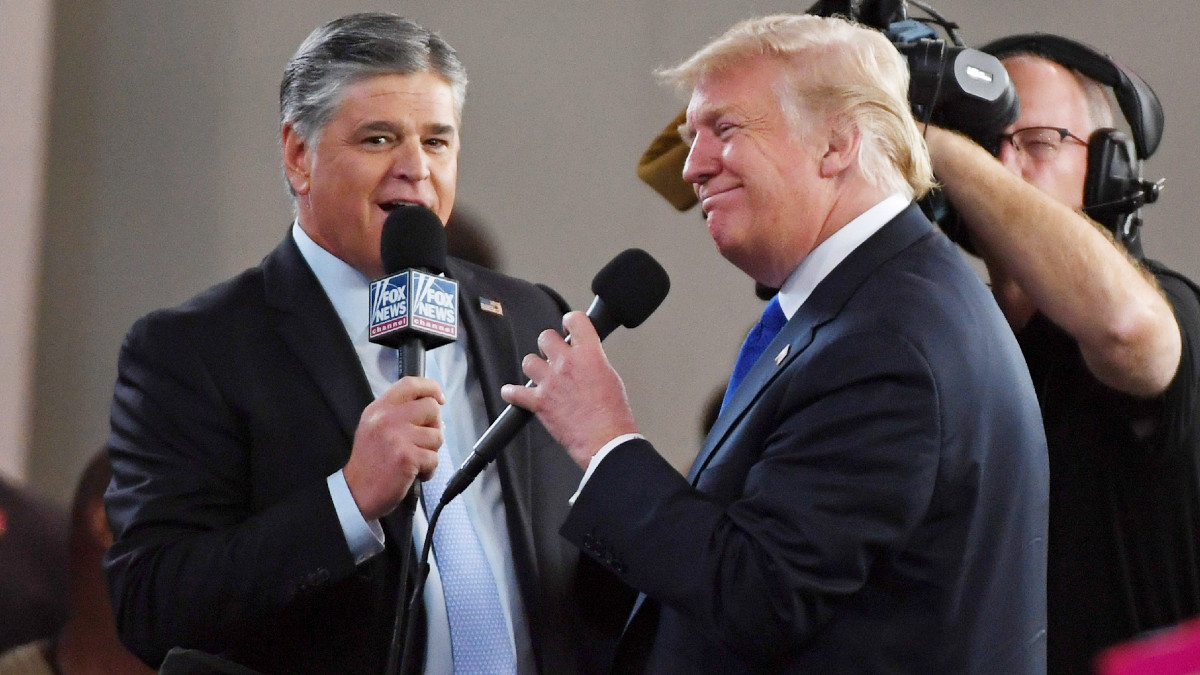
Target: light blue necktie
479,635
768,326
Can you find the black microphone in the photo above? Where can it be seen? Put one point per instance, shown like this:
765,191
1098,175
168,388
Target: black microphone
412,308
1145,192
628,290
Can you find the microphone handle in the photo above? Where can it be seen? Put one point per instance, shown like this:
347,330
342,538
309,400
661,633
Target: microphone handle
412,357
497,436
412,362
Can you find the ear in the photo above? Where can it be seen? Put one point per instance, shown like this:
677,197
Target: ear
297,159
842,150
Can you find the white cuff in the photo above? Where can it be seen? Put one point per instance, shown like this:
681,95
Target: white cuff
596,458
364,537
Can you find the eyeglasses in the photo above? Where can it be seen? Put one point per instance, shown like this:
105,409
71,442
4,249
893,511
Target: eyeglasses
1040,144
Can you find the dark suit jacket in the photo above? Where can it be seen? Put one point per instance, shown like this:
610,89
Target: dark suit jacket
871,501
228,415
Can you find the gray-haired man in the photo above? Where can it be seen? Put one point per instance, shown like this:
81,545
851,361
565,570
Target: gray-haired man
260,442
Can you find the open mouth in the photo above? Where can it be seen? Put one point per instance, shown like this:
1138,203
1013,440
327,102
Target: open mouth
390,206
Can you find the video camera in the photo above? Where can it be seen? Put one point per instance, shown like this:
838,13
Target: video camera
950,85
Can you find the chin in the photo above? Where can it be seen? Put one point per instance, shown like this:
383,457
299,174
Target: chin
722,231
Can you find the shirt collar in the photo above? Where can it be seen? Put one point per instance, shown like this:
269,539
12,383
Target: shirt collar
346,287
831,252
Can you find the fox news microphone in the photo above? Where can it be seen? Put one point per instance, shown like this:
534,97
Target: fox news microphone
628,290
412,308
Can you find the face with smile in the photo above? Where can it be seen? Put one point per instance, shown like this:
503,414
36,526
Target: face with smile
756,175
392,139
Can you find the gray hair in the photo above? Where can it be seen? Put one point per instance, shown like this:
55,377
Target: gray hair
355,47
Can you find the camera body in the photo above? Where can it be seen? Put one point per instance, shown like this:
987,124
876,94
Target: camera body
950,85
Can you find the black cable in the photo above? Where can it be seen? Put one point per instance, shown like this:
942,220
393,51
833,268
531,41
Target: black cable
407,508
419,585
937,90
949,26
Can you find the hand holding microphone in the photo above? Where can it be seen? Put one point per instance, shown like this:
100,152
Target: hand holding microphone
628,289
411,309
396,443
575,392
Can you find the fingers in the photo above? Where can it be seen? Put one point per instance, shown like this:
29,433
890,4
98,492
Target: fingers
551,344
576,394
556,357
429,440
397,440
522,397
581,330
577,326
536,367
411,388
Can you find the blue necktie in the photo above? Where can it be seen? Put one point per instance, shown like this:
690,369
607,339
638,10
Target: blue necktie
479,636
480,642
757,339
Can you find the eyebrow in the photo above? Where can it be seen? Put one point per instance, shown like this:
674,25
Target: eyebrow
705,116
686,132
435,129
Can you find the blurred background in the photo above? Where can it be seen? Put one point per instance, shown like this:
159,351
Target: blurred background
139,164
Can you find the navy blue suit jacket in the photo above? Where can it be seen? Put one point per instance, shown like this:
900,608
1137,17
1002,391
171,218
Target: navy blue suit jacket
873,499
228,414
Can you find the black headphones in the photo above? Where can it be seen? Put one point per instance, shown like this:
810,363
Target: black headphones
1114,190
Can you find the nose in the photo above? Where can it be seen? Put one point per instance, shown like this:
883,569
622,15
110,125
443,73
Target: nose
409,161
703,160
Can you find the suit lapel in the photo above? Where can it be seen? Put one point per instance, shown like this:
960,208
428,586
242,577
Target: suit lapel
829,297
308,324
492,346
492,350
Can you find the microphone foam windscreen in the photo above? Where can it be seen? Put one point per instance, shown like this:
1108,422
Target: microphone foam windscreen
413,236
632,285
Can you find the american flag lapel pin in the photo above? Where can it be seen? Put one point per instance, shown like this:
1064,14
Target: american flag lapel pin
782,354
491,306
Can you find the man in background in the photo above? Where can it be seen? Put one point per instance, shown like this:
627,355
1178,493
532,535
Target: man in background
88,642
1110,339
33,560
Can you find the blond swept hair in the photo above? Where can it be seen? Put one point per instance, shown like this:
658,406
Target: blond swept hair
851,74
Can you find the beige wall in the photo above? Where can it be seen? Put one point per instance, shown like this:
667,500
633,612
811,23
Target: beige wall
162,170
24,48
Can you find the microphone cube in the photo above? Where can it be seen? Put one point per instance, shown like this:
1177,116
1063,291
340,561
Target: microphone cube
413,303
